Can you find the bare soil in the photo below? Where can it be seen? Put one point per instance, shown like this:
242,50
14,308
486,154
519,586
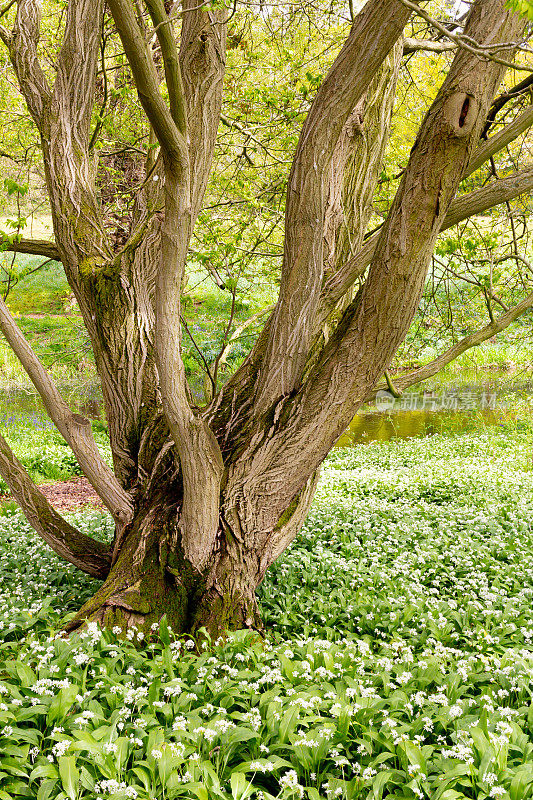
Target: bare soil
71,495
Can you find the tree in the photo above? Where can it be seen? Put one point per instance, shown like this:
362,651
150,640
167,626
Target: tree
204,499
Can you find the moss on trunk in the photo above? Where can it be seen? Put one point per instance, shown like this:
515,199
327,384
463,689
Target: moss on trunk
151,579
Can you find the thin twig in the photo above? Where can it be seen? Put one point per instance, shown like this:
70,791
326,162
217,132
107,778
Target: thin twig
206,365
467,43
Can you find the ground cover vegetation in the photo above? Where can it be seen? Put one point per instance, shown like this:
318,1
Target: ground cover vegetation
321,155
399,649
398,664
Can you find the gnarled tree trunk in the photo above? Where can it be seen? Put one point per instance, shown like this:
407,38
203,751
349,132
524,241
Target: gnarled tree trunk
152,574
205,499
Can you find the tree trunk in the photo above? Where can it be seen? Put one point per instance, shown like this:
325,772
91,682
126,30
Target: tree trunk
151,575
209,498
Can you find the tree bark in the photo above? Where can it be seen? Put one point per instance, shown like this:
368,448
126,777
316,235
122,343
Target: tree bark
218,493
152,573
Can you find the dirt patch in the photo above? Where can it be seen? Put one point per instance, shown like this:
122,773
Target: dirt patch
71,495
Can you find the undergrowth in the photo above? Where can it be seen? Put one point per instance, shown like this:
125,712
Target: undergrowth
398,663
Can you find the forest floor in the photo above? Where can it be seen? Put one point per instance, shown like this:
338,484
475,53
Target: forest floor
74,494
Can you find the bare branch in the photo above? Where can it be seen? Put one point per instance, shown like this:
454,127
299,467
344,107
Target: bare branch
504,98
4,33
494,193
34,247
426,45
5,8
147,82
171,63
472,340
499,140
486,51
74,428
87,554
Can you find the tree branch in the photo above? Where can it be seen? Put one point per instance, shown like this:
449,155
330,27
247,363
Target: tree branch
373,34
471,45
203,65
146,80
76,71
499,140
70,168
34,247
476,202
87,554
426,45
494,193
374,324
197,449
503,99
169,50
473,340
5,8
22,43
74,428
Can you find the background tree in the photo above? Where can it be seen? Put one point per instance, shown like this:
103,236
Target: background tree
205,498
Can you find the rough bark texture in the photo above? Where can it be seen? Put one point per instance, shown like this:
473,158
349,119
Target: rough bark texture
206,499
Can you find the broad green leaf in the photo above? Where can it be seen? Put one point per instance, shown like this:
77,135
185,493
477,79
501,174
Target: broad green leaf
70,776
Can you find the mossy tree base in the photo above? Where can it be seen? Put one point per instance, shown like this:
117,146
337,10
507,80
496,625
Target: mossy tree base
151,579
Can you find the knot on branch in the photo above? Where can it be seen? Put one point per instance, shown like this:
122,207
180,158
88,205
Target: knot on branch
461,112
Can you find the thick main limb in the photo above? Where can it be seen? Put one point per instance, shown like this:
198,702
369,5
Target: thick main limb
203,65
372,327
377,321
196,446
374,32
74,428
87,554
474,203
22,43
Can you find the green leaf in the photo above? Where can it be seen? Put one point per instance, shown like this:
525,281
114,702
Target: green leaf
520,782
379,783
240,788
62,703
44,771
70,776
26,674
164,631
288,723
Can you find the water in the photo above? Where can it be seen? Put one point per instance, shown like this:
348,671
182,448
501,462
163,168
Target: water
417,413
450,408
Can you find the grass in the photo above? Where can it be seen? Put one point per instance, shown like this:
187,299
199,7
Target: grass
41,449
45,311
45,291
399,661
